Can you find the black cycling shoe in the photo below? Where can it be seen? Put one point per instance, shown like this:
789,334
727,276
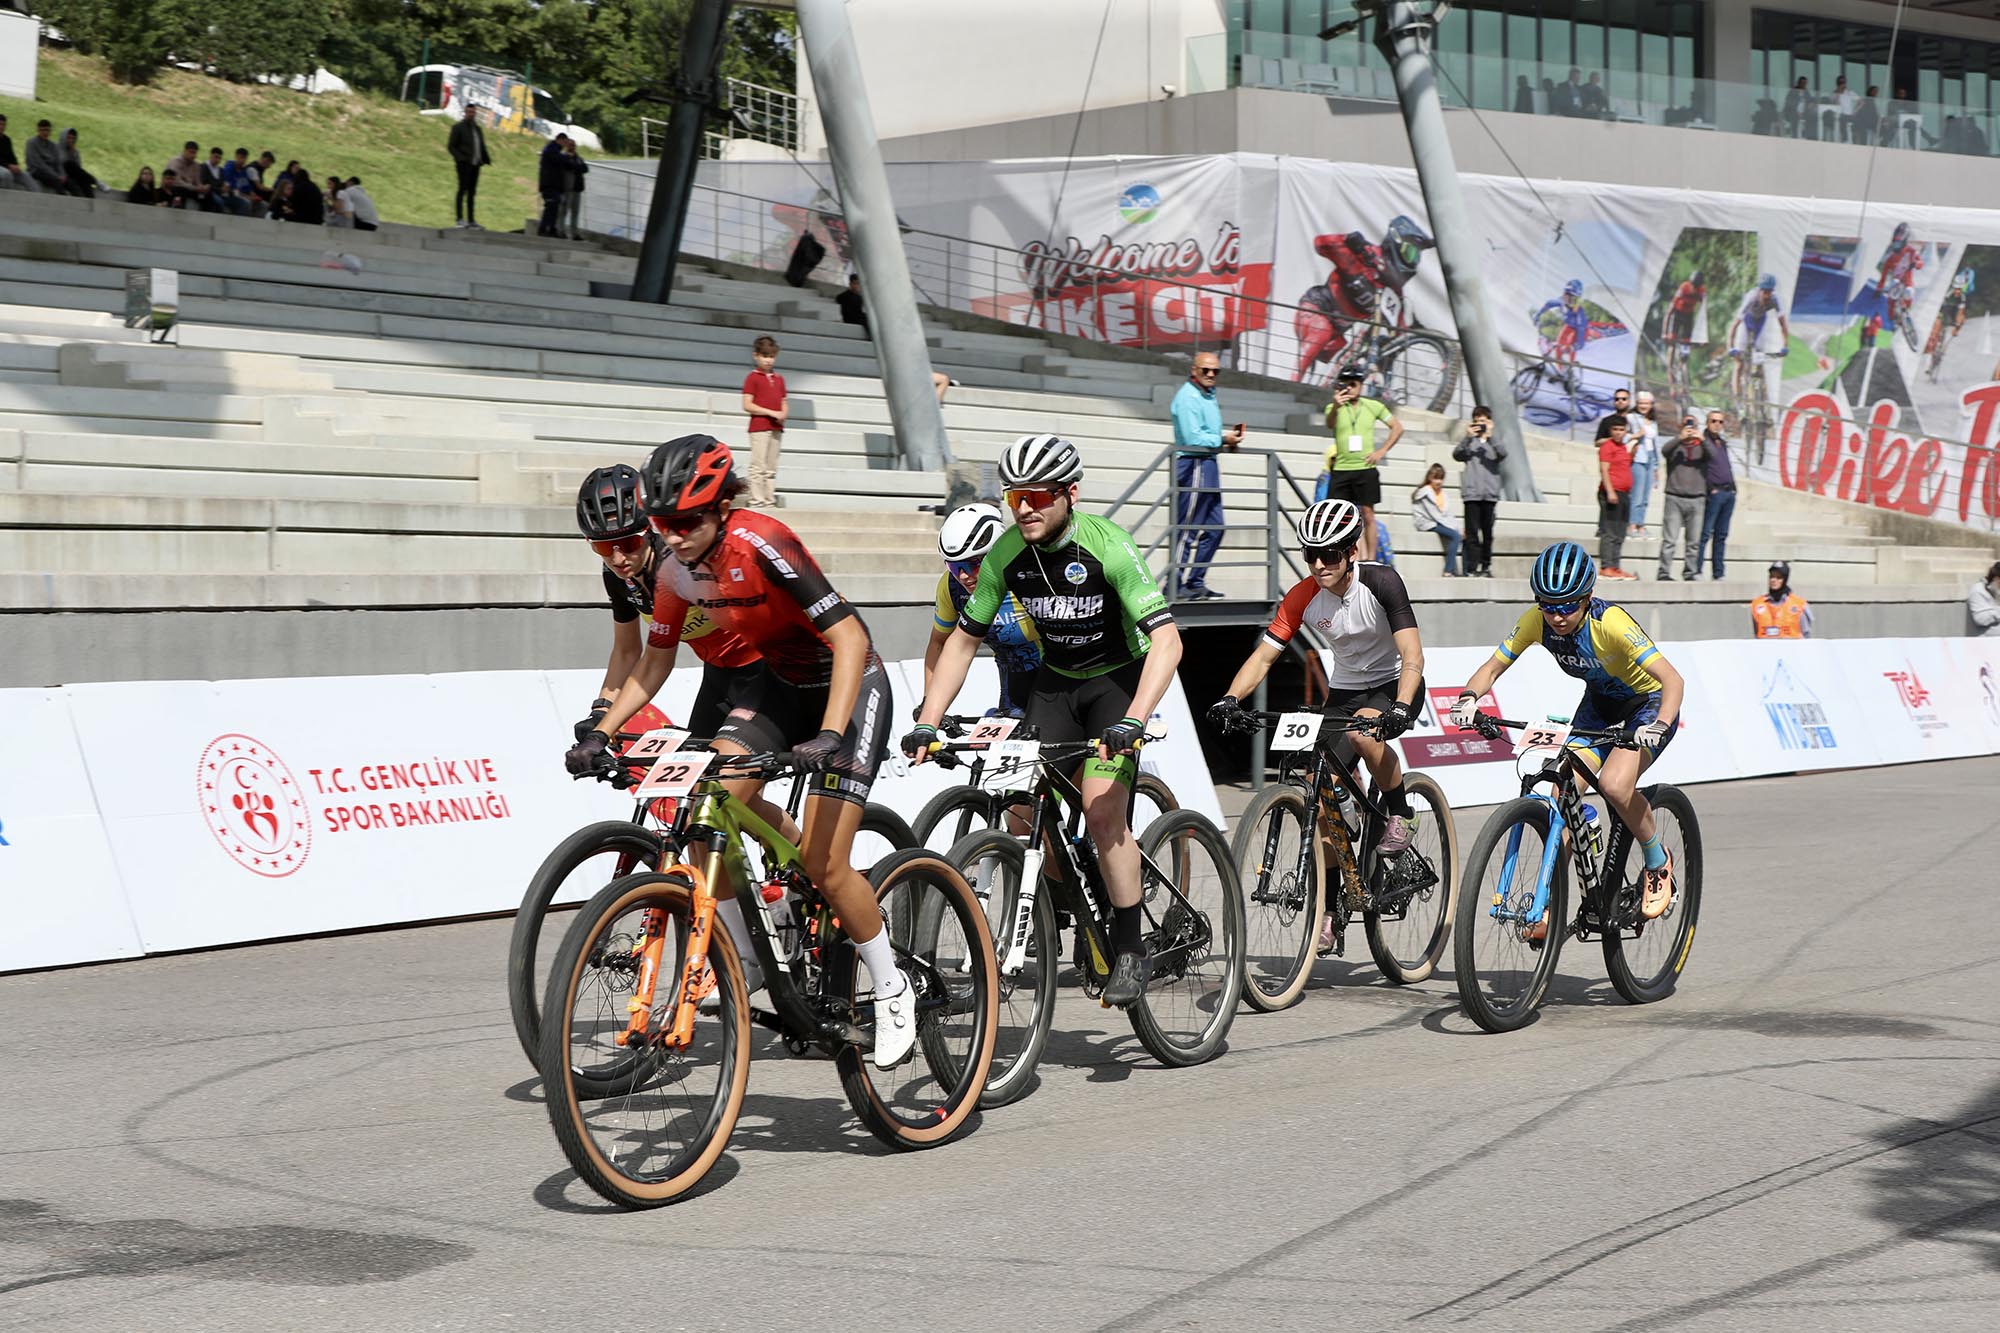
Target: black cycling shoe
1128,981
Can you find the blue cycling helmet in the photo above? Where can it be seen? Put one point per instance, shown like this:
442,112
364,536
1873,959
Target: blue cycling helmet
1563,573
1767,283
1574,287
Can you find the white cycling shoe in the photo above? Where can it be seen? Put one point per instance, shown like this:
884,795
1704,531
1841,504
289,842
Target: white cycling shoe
895,1024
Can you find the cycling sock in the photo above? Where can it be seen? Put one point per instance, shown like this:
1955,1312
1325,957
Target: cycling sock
881,961
1396,801
1125,922
1656,855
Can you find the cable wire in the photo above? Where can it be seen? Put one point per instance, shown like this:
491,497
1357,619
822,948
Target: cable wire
1076,130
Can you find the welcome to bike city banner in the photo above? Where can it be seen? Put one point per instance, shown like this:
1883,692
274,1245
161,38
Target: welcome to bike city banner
1879,342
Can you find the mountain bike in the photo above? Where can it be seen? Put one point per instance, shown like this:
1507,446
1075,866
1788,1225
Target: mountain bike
646,1049
596,854
949,816
1315,810
1940,341
1403,363
1757,409
1516,875
1191,902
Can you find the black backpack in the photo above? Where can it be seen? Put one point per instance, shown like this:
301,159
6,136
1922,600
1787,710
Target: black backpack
805,258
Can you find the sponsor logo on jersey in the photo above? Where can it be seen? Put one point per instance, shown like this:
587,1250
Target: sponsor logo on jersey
822,606
1075,572
757,600
770,553
1064,608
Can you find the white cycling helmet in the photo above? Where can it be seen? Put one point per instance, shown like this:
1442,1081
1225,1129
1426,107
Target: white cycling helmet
970,531
1335,523
1040,460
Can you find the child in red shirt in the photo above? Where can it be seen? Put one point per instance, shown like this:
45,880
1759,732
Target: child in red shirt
765,403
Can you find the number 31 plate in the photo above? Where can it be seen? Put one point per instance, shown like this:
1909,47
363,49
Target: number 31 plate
1296,731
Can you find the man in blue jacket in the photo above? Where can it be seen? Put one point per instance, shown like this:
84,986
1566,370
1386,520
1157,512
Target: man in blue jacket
1198,438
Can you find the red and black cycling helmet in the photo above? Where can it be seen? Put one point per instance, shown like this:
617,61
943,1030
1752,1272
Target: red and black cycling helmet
687,474
611,504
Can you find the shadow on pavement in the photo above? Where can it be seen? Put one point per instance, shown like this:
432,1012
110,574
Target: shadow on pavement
1944,1184
556,1194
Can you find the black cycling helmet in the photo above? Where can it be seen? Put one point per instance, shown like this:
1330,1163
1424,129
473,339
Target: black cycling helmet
611,504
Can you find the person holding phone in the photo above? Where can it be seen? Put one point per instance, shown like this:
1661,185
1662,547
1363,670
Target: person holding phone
1352,460
1198,439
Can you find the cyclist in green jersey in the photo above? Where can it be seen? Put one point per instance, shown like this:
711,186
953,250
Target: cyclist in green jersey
1109,651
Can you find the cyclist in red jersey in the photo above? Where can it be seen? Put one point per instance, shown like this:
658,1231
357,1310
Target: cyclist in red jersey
1353,289
1687,300
823,694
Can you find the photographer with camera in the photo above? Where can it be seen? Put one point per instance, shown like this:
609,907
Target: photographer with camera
1479,489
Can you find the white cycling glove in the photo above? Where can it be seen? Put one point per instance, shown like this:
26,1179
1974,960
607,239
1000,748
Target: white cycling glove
1651,736
1462,712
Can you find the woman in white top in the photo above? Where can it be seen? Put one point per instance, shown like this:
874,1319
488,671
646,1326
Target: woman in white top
1431,508
1644,437
339,211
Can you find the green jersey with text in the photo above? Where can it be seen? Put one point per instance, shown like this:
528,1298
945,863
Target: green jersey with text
1091,597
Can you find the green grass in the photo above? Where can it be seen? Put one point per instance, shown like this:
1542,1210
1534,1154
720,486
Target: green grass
398,154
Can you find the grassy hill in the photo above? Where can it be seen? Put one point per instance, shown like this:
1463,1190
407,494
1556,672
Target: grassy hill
398,154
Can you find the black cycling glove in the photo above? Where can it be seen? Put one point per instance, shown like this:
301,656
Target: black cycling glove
1395,720
1225,713
919,740
587,754
815,752
1122,736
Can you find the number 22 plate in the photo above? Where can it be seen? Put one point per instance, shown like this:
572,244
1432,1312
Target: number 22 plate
675,774
1296,731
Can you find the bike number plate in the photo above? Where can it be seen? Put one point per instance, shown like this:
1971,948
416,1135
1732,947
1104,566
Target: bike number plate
675,774
993,730
1296,731
1542,736
657,742
1012,765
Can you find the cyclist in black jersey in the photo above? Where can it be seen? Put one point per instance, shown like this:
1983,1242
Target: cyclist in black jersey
1109,651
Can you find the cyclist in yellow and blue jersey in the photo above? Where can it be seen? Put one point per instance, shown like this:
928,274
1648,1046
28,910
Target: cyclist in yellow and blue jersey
967,535
1627,682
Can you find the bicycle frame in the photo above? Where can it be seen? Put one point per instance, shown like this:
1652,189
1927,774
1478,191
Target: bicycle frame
1565,816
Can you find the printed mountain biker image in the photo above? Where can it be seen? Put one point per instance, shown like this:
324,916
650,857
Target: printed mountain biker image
1746,335
1951,314
1681,312
1564,324
1351,293
1896,275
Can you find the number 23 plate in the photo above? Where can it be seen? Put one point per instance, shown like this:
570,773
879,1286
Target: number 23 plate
1542,736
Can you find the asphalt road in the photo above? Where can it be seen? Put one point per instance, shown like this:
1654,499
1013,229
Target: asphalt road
342,1134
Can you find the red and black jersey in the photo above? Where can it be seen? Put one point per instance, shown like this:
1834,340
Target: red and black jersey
759,583
632,599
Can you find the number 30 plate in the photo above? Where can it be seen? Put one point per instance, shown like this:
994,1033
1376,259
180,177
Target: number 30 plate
1296,731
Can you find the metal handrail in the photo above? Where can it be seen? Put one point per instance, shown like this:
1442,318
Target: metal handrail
1278,556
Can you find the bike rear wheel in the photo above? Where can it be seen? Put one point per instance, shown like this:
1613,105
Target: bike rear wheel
938,930
1194,939
882,833
1409,933
1279,863
1502,976
1421,370
649,1136
1646,965
953,815
581,864
993,862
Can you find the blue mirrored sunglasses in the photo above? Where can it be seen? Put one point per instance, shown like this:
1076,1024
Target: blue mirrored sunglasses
1561,608
960,569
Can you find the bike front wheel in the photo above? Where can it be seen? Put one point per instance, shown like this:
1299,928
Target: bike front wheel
1193,906
993,862
1409,905
1501,973
938,930
1644,957
1280,865
647,1136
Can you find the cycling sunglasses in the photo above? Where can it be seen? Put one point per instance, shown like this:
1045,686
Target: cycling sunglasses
1327,555
1037,497
620,546
962,569
1561,608
680,525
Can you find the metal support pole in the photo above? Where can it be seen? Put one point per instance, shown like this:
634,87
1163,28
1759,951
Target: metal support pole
1403,31
673,183
886,289
1260,700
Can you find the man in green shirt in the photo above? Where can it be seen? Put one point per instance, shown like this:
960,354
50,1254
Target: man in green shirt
1352,457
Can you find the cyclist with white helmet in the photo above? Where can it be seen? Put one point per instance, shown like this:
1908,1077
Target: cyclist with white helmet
969,532
1362,611
1626,681
1109,651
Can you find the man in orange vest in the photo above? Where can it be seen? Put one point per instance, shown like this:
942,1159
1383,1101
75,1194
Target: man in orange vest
1782,613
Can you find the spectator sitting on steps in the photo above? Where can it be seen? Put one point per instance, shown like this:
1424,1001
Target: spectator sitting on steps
45,161
11,174
849,302
308,205
146,192
361,206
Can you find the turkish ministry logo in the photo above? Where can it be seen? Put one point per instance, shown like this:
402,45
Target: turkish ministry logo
1912,690
252,805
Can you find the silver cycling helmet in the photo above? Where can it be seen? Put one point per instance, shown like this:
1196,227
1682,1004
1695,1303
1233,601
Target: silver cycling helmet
1335,523
1040,460
970,531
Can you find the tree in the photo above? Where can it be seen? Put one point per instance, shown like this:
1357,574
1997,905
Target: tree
241,39
135,37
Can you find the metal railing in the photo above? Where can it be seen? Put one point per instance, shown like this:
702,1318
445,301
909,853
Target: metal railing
756,112
1160,524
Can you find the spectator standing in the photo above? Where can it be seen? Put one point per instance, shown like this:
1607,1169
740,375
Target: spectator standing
11,173
1781,613
467,146
361,206
552,180
768,407
1524,96
187,174
1721,503
1799,110
1644,438
1593,101
1614,496
1982,605
849,302
1567,99
81,183
45,161
1868,117
1845,104
307,204
1352,461
1479,489
1198,439
1431,508
145,191
1621,410
573,197
1685,460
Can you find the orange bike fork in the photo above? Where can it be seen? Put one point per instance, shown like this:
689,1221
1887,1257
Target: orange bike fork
654,924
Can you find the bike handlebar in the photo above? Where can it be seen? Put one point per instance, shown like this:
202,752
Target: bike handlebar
1489,726
1338,722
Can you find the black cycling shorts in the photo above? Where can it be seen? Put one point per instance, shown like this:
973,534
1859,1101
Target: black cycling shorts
1359,486
1377,696
1065,709
1594,713
723,689
779,715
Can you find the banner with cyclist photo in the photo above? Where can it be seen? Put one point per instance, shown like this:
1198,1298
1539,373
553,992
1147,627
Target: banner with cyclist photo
65,902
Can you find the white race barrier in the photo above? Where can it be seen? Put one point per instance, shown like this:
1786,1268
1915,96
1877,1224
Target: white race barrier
154,816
